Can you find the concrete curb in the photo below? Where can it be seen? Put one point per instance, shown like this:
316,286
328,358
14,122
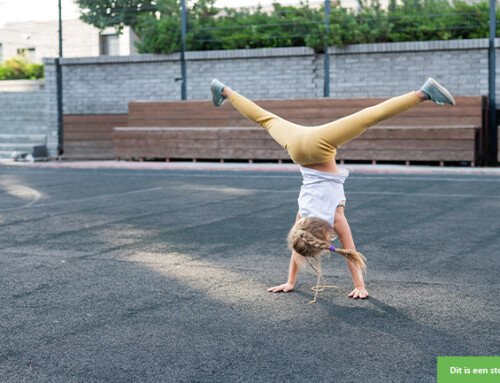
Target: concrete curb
263,167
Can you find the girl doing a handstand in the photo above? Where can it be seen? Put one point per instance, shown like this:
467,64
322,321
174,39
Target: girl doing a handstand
321,199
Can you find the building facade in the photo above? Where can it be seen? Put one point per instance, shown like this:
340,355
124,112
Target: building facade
35,34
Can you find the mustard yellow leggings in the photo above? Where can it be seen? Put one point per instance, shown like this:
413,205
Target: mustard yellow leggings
318,144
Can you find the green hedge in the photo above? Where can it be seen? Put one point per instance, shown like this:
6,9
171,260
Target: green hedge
410,20
20,69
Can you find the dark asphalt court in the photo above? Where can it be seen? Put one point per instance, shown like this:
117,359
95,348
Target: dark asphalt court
161,276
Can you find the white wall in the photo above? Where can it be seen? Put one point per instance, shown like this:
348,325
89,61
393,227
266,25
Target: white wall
36,10
34,24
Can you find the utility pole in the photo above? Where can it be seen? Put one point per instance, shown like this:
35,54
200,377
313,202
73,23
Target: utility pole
492,141
326,90
183,50
60,149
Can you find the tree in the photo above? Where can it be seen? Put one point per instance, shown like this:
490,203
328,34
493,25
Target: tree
163,34
158,23
116,13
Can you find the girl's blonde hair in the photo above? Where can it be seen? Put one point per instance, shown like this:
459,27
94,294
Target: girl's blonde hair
308,239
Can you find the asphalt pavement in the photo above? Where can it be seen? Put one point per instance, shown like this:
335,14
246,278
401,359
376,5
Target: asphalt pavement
143,275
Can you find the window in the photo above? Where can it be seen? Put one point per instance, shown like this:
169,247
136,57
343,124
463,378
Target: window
28,53
109,45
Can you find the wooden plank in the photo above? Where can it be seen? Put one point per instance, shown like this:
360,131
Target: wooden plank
420,133
202,135
180,153
95,119
430,121
298,112
75,152
256,128
88,135
215,133
229,153
322,103
153,142
170,134
448,140
92,123
90,128
406,155
222,121
88,144
92,155
402,144
306,102
87,118
458,132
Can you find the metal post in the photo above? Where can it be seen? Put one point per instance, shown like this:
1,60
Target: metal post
492,141
60,30
183,51
326,90
60,149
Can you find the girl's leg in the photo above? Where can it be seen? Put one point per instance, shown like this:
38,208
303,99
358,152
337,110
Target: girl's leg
317,145
281,130
345,129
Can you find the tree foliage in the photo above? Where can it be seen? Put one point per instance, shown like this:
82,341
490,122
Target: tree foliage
210,28
158,23
115,13
20,69
438,20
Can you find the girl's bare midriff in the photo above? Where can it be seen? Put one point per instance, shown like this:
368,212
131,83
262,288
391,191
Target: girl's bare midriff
327,167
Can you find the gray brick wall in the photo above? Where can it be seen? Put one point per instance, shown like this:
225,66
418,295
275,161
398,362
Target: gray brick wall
22,112
30,113
382,70
264,73
105,85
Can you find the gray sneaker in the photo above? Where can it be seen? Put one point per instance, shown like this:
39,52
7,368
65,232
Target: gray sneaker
216,88
437,93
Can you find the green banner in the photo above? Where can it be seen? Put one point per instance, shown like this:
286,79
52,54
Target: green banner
468,369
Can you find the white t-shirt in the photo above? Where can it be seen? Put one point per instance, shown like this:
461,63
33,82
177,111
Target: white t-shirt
321,193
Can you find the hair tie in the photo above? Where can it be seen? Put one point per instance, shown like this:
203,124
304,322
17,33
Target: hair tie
332,248
297,232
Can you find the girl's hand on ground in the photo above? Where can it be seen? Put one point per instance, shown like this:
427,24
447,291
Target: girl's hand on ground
358,292
286,287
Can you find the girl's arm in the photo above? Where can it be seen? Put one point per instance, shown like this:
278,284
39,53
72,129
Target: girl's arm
344,232
293,270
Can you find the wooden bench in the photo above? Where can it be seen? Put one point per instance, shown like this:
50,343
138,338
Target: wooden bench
198,130
90,136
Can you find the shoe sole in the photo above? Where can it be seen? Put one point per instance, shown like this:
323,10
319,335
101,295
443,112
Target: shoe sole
444,92
216,99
